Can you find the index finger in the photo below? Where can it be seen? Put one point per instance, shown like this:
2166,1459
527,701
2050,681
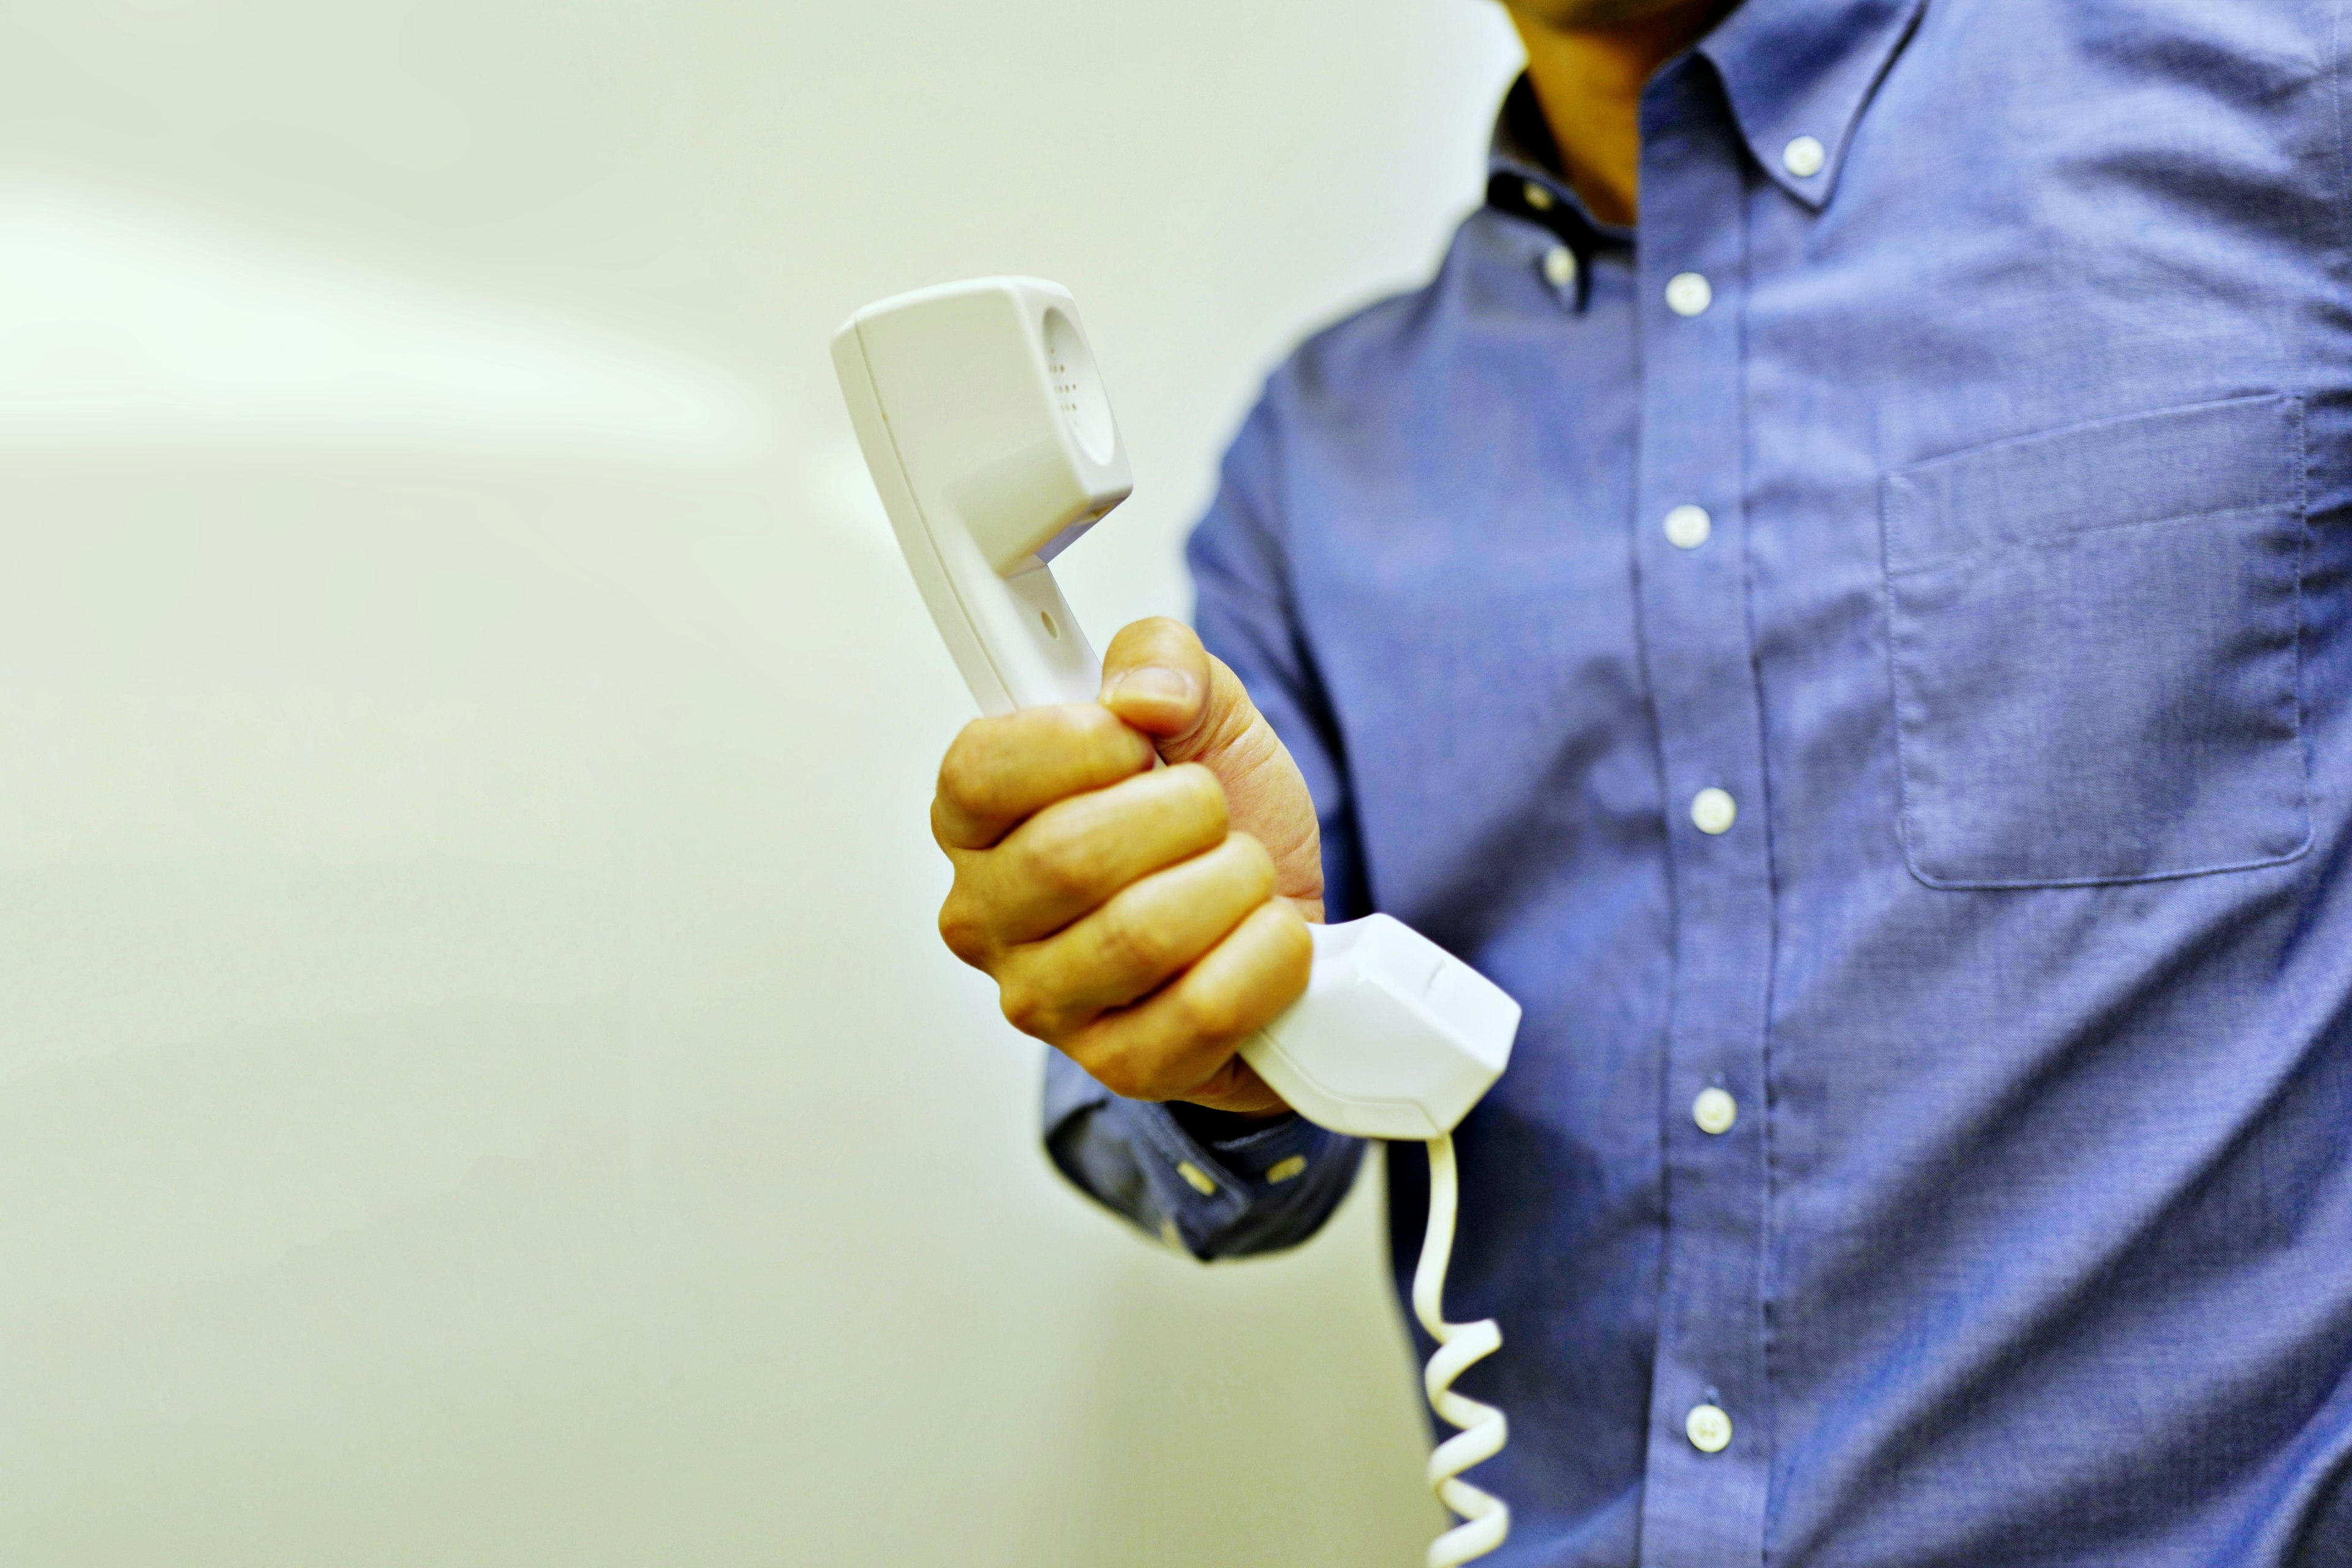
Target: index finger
1004,770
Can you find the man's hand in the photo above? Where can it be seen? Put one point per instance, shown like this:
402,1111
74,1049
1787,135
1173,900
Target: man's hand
1145,923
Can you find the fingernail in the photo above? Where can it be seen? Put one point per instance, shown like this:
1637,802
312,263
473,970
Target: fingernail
1156,683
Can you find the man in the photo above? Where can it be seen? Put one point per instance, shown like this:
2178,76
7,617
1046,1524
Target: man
1836,599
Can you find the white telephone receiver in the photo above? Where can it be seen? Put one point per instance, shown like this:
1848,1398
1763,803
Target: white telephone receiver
985,426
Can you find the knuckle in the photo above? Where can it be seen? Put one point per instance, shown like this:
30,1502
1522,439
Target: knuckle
1057,861
963,929
1209,1012
1133,942
1026,1008
965,775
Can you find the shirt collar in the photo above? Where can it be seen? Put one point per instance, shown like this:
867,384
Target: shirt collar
1523,177
1795,70
1790,70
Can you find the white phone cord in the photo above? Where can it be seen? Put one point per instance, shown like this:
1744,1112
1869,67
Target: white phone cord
1486,1518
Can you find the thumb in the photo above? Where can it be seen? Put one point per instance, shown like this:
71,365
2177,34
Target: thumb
1156,677
1160,679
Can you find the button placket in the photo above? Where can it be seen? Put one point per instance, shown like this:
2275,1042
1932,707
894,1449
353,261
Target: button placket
1703,1492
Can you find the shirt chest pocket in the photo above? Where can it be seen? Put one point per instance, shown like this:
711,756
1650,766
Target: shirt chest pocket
2094,641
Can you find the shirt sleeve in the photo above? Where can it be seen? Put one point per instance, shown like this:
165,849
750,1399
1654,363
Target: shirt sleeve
1211,1185
1165,1168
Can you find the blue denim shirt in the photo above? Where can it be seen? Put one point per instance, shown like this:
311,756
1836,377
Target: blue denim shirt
1964,789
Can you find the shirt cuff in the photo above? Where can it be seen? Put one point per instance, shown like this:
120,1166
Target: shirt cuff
1202,1190
1203,1196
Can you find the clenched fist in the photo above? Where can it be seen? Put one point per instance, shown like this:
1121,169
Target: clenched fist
1144,923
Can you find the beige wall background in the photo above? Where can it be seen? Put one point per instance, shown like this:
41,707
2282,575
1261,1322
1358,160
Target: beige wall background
477,1084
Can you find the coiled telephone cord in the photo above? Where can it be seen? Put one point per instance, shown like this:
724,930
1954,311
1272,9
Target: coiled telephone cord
1486,1518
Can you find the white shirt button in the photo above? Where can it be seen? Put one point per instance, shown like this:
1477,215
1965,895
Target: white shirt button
1708,1429
1713,811
1687,294
1804,156
1715,1112
1538,197
1688,526
1560,267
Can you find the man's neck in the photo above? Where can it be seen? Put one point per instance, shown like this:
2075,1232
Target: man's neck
1589,79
